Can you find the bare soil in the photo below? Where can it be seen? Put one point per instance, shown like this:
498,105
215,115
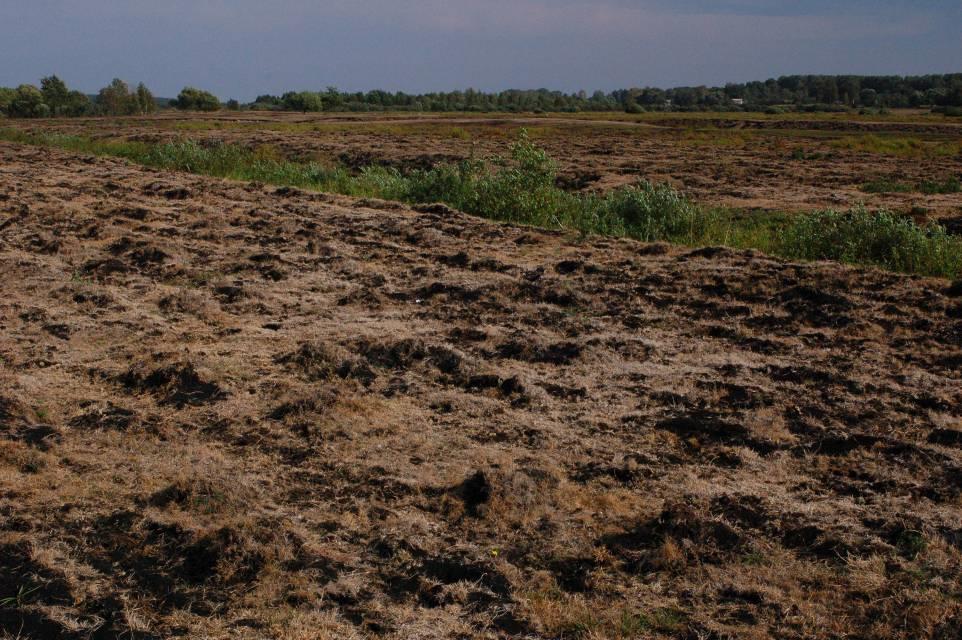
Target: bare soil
229,410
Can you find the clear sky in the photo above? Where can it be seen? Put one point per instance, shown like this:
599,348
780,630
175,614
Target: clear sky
240,48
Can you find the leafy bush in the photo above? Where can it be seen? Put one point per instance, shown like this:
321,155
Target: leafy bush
193,99
882,239
521,189
652,212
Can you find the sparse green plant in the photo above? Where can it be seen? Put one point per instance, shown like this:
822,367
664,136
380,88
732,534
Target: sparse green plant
911,543
18,600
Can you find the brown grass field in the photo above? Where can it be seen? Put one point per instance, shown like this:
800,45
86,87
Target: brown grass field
231,410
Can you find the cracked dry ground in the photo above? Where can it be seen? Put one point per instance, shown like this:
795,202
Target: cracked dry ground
234,411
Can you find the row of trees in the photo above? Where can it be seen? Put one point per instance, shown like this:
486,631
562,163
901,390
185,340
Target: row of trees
827,91
116,99
53,98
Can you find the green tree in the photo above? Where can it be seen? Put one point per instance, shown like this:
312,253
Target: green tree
145,100
332,98
77,104
28,103
6,97
55,94
193,99
303,101
116,99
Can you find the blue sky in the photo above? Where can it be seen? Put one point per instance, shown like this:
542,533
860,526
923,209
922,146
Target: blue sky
239,48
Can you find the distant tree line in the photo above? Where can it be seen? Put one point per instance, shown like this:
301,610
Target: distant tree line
812,92
54,99
815,92
806,93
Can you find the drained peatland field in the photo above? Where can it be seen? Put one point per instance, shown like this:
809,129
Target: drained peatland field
907,161
232,410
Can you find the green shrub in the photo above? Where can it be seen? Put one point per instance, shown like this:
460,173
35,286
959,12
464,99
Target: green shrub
652,213
519,189
193,99
882,239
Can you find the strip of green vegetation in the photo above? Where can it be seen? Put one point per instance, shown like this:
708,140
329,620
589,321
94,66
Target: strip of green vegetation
522,189
929,187
900,146
886,185
882,238
949,185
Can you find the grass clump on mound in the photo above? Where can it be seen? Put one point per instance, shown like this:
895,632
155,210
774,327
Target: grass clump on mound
522,188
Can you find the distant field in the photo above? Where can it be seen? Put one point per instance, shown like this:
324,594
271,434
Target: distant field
790,162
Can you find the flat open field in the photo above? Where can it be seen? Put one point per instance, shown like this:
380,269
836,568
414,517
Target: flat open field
792,162
232,410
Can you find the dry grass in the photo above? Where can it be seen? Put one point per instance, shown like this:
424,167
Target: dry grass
318,417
